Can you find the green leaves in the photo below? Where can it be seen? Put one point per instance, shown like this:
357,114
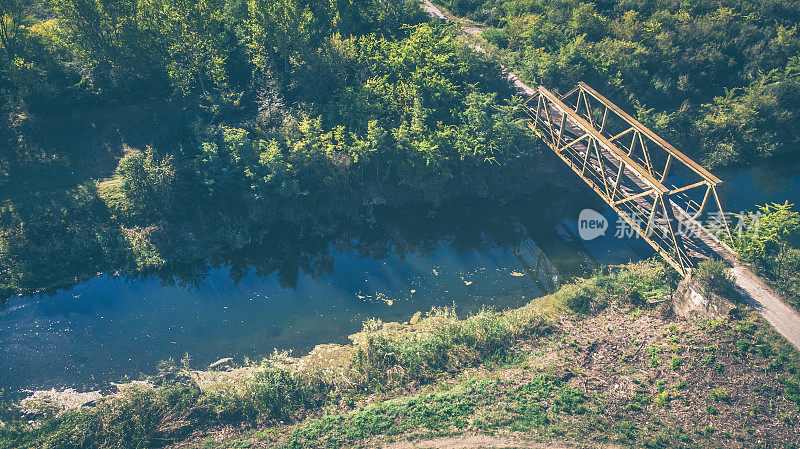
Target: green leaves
769,238
146,182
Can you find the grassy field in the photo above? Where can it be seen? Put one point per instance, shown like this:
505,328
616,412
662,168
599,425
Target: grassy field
601,362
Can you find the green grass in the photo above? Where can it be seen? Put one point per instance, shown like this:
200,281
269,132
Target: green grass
434,412
535,405
392,360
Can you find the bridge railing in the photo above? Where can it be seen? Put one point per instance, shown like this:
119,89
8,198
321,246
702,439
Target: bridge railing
644,178
691,187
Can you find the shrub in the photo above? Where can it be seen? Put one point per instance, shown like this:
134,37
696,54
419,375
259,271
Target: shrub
581,300
146,183
714,275
497,37
663,399
142,417
720,394
275,392
450,345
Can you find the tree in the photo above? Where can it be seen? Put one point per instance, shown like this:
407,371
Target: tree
109,38
147,183
775,230
196,41
280,33
11,20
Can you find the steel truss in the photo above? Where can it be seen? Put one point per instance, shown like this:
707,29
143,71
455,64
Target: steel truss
662,194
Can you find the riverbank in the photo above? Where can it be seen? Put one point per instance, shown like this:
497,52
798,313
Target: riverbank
600,362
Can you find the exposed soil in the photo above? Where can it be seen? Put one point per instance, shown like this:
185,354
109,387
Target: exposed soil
471,441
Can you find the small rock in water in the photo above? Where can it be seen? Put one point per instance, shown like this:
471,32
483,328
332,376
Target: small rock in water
517,274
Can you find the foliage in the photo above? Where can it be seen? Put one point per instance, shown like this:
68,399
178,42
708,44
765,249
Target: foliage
714,274
635,285
436,411
581,300
772,244
451,346
146,183
719,76
294,111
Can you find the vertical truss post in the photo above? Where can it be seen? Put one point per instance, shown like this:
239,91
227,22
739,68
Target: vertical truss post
633,143
586,158
561,130
646,153
679,249
603,124
617,182
703,204
652,217
722,214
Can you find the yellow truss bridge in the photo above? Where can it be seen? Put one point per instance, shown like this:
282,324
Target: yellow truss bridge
660,192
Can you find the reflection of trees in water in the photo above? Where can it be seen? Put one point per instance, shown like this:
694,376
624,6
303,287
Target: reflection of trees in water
293,250
308,249
776,174
305,247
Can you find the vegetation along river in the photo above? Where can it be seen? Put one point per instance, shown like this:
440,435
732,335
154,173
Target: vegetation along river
294,292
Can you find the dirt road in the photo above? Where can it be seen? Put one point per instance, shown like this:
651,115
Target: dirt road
764,300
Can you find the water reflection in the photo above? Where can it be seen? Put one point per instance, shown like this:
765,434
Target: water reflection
776,180
303,285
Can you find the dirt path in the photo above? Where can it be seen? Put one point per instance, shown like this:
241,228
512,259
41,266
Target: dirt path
433,11
766,302
472,442
436,13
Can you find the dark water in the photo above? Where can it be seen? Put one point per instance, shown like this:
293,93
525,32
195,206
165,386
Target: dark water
294,292
297,291
775,180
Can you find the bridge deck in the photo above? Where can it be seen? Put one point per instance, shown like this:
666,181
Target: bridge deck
661,212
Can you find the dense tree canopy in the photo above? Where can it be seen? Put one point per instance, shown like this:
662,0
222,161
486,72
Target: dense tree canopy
717,77
147,133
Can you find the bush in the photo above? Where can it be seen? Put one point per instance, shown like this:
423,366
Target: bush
275,393
720,394
497,37
450,346
142,417
714,275
581,300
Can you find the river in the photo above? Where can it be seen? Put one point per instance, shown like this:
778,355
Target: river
467,256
